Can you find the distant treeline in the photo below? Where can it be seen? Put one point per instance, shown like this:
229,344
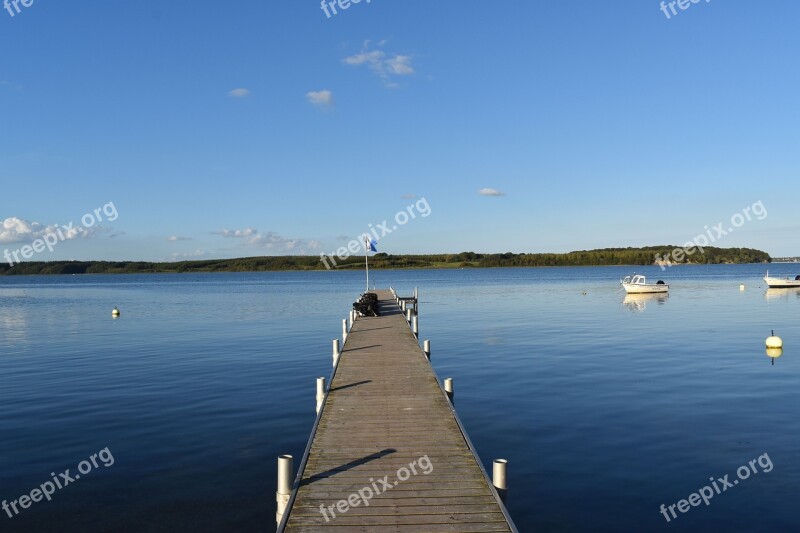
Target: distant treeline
602,257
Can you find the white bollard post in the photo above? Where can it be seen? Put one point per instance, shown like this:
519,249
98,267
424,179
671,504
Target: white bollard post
285,470
426,347
448,387
344,331
499,477
335,352
408,315
415,327
320,393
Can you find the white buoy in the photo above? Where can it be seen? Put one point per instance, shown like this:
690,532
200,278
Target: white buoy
773,341
115,312
741,287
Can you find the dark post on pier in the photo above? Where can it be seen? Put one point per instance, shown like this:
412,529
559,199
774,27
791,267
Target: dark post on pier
387,451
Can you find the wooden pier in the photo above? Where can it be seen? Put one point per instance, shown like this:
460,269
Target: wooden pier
387,451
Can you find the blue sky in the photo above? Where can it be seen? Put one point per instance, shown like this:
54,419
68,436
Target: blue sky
266,128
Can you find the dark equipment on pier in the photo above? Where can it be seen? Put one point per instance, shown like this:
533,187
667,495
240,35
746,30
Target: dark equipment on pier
367,305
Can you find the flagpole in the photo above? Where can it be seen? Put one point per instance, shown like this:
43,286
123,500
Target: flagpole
366,259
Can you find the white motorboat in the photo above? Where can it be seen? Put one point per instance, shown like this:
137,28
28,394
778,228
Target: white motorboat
781,283
637,284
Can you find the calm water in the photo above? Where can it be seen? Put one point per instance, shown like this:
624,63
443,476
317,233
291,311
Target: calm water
605,407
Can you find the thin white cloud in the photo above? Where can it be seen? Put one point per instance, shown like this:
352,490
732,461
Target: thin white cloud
175,238
400,65
238,233
241,92
323,98
490,192
385,66
374,58
196,253
14,229
272,241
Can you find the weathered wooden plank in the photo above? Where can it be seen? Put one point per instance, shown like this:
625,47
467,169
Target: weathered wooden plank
452,506
350,518
427,528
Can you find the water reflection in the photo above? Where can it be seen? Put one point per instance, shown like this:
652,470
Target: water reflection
638,302
774,353
786,293
14,324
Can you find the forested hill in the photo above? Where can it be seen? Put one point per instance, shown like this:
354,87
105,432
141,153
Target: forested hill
602,257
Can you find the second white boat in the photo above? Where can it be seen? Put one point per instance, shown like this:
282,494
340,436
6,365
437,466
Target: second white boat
781,283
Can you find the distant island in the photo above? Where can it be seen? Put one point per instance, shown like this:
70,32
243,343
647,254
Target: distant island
601,257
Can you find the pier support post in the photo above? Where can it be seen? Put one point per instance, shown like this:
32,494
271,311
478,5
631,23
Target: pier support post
426,347
448,387
344,330
408,316
403,305
320,393
499,479
415,326
285,470
335,352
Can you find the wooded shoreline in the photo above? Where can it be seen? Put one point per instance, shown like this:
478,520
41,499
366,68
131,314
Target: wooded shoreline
599,257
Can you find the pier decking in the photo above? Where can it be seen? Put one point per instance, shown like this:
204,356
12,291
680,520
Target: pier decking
387,428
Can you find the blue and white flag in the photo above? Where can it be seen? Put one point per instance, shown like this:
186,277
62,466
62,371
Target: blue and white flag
370,244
